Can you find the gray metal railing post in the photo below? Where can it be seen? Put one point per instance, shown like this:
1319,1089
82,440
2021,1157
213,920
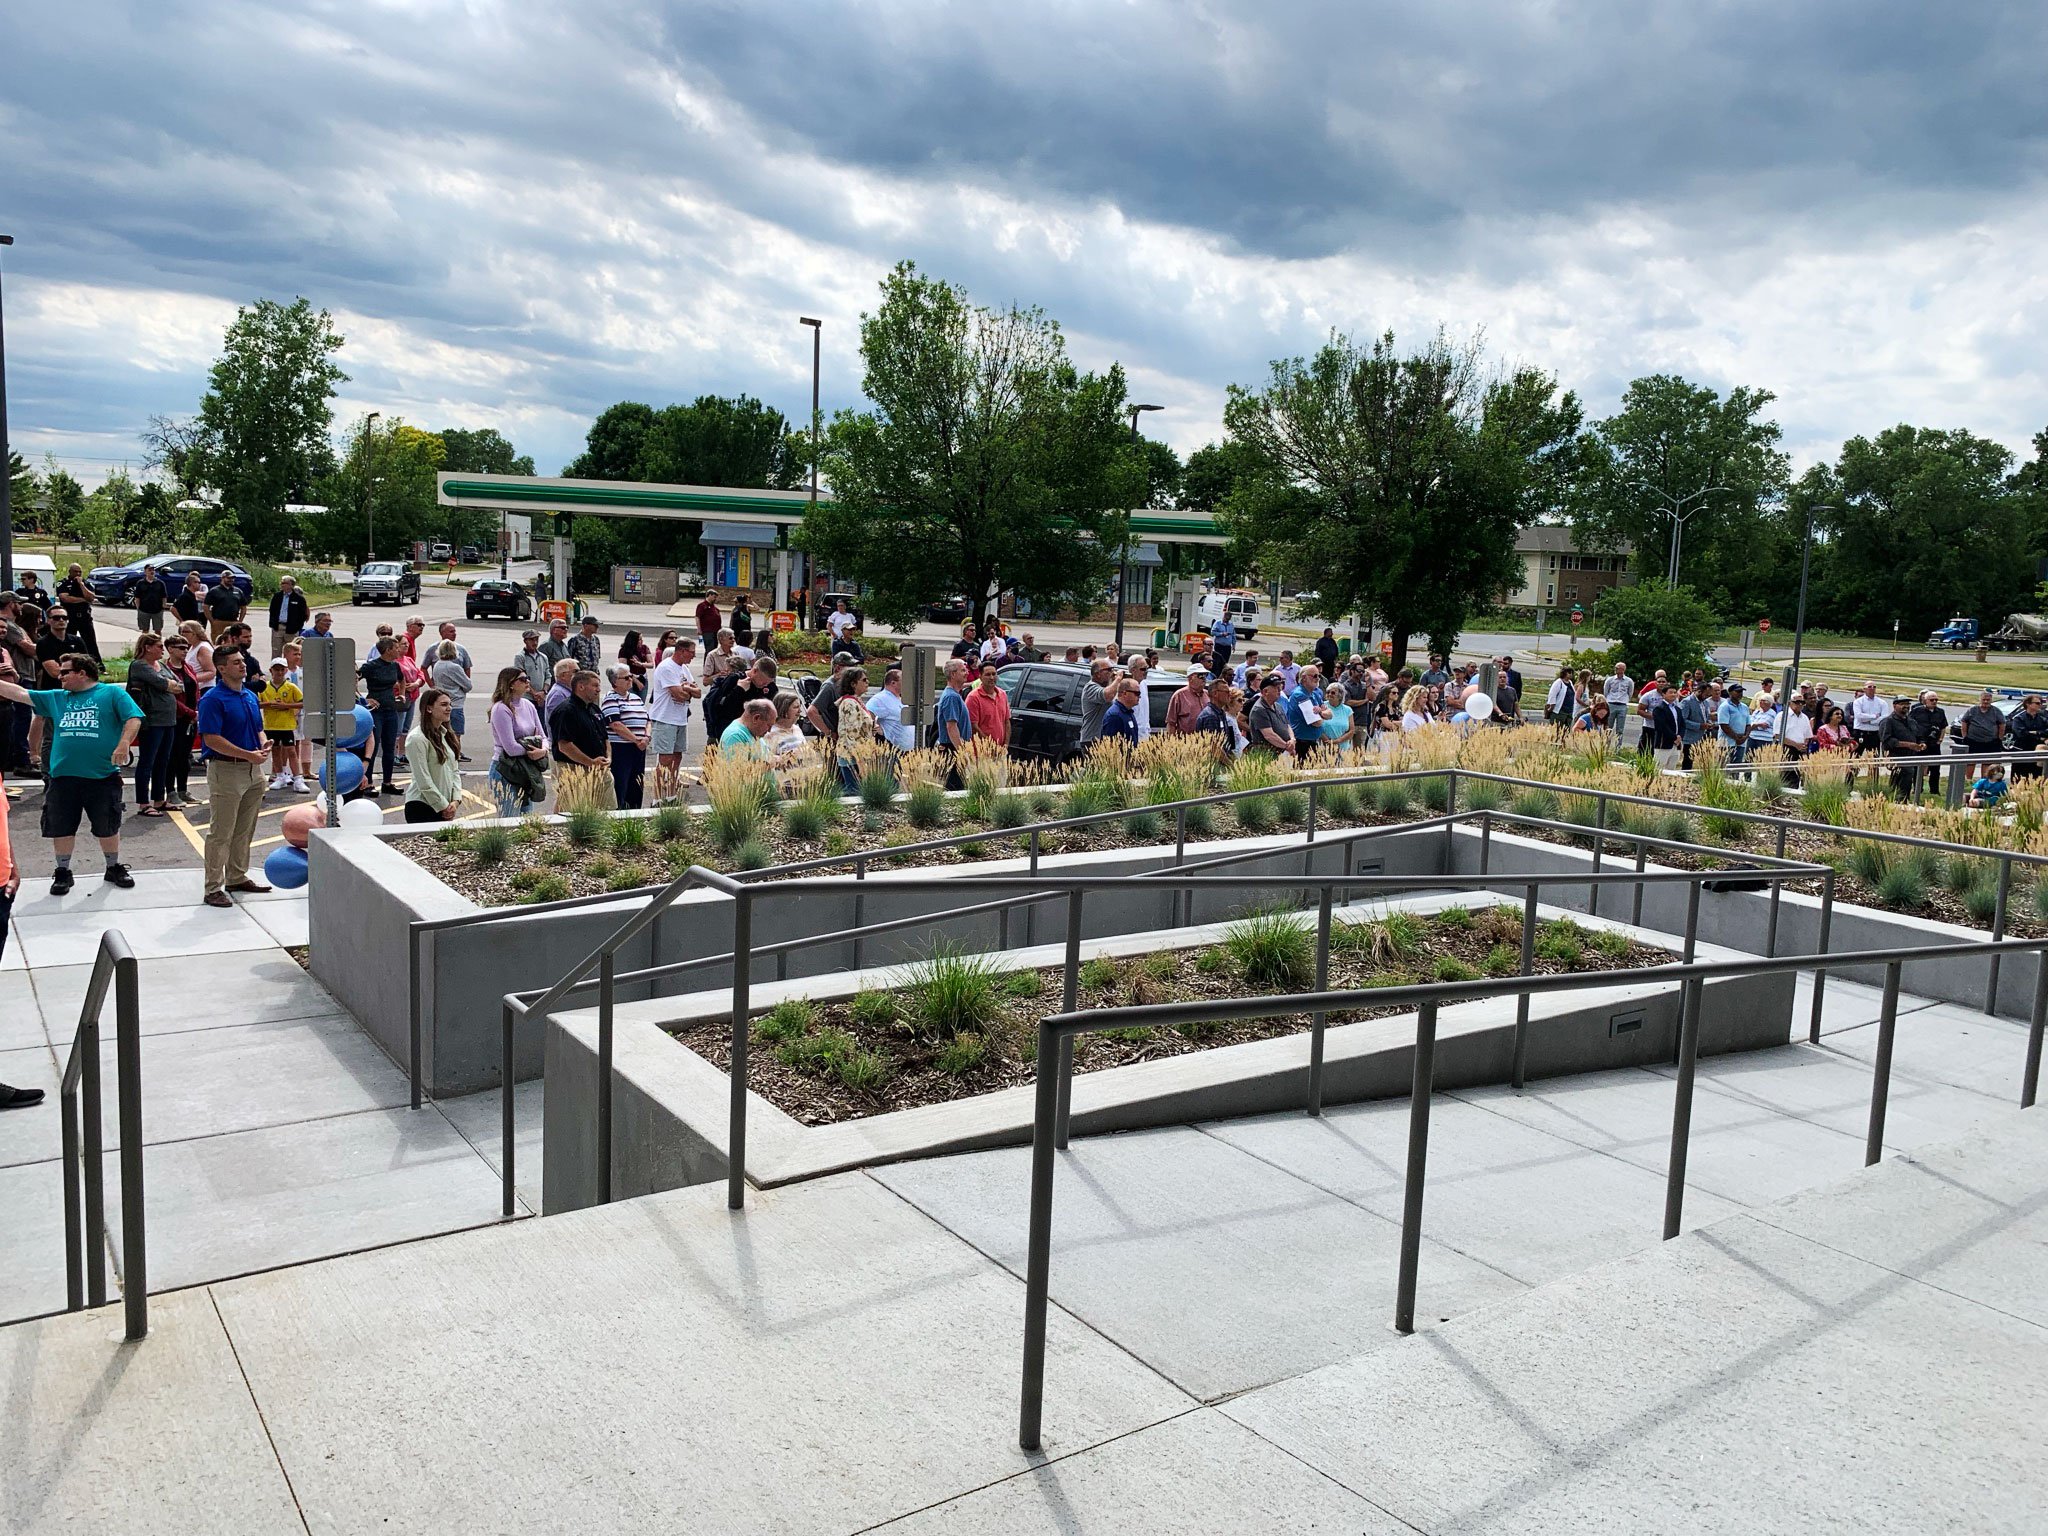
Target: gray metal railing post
1881,1070
1070,995
1038,1250
507,1086
1820,975
1681,1108
74,1217
1635,909
1998,932
1031,910
2030,1080
128,1088
416,1004
742,988
860,909
1692,918
1451,793
1418,1166
1599,850
1180,854
1313,786
95,1164
607,1002
1485,842
1316,1021
1522,1000
1777,890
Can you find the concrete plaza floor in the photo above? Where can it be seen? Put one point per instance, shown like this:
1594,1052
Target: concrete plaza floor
1825,1348
276,1130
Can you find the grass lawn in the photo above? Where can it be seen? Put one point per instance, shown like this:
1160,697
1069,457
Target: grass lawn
1949,670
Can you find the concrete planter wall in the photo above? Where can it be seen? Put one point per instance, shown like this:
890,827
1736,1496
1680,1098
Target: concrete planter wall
366,893
670,1105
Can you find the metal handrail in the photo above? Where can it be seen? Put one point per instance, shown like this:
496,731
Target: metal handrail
85,1236
1032,888
1033,832
1056,1034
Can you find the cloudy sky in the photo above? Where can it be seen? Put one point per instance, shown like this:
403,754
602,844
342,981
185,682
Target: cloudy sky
520,212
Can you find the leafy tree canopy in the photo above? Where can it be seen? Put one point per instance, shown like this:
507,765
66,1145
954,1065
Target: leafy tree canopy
1395,485
988,462
385,484
481,451
1653,626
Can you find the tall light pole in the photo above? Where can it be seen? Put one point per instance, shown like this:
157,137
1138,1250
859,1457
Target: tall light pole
6,459
1123,556
817,339
1799,623
1679,509
369,500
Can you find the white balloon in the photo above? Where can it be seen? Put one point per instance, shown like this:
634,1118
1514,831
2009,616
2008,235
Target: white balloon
1479,707
361,813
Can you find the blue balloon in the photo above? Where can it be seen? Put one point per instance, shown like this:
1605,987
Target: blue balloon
348,773
286,867
357,729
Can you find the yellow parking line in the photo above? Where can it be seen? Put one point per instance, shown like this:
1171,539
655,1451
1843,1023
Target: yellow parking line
177,819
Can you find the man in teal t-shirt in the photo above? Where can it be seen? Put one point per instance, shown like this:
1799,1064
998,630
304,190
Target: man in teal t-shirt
742,738
84,731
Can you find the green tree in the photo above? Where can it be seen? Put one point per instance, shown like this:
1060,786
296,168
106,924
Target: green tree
266,416
989,461
63,498
1923,525
615,447
1395,485
481,451
24,492
177,448
388,473
1670,440
155,522
1655,626
98,527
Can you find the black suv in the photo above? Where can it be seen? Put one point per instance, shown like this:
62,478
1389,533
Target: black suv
494,599
1045,707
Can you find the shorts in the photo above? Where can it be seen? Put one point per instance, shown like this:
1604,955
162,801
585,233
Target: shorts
281,738
665,739
66,799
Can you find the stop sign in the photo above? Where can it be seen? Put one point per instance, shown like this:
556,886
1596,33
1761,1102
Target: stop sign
1578,617
1764,625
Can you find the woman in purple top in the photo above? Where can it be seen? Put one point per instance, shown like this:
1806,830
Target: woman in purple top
519,758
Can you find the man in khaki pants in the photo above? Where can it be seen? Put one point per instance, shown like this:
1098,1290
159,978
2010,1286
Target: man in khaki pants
231,726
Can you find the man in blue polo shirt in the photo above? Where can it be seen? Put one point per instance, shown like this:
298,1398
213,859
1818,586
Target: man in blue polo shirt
231,729
955,728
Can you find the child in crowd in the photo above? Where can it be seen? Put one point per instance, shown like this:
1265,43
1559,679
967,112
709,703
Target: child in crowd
1989,789
282,700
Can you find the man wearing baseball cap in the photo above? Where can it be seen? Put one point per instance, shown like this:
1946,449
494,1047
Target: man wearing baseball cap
1732,724
1185,707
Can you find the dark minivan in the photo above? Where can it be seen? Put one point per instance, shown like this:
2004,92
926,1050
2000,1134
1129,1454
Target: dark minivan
1045,707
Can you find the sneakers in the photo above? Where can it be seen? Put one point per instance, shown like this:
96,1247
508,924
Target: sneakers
61,882
280,780
301,786
115,874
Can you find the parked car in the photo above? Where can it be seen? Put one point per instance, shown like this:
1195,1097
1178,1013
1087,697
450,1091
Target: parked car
386,581
1045,707
114,585
439,550
829,603
470,554
495,599
948,610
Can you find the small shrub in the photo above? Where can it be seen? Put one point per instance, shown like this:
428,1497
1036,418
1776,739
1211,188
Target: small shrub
1485,795
1254,815
1503,960
1273,948
1436,795
878,787
1290,807
490,846
804,820
1138,1034
950,991
1094,797
824,1052
629,877
678,857
558,856
1045,805
1405,934
837,843
874,1009
1339,801
961,1054
1536,804
752,854
1025,984
1200,820
1828,803
1201,1029
1211,961
452,837
671,823
863,1071
1960,871
1396,796
548,888
1981,901
925,806
1451,968
1903,885
524,879
530,831
1561,941
1161,967
790,1020
599,868
1615,946
586,826
1099,974
1456,919
1869,861
1674,827
1926,862
1143,826
1007,812
627,834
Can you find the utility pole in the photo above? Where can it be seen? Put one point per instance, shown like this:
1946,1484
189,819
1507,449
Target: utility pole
1123,556
369,500
817,338
1679,509
1799,623
6,458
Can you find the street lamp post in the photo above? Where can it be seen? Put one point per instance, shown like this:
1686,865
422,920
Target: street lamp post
1679,509
6,459
1799,623
369,500
1123,555
817,339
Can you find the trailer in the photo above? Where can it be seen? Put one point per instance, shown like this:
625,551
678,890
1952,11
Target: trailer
2022,632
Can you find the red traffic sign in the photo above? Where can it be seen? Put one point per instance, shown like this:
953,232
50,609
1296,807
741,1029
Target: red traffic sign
1578,618
1764,625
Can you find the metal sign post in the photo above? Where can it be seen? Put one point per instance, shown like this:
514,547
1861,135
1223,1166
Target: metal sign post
329,671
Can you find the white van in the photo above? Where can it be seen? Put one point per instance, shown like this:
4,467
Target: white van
1243,611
